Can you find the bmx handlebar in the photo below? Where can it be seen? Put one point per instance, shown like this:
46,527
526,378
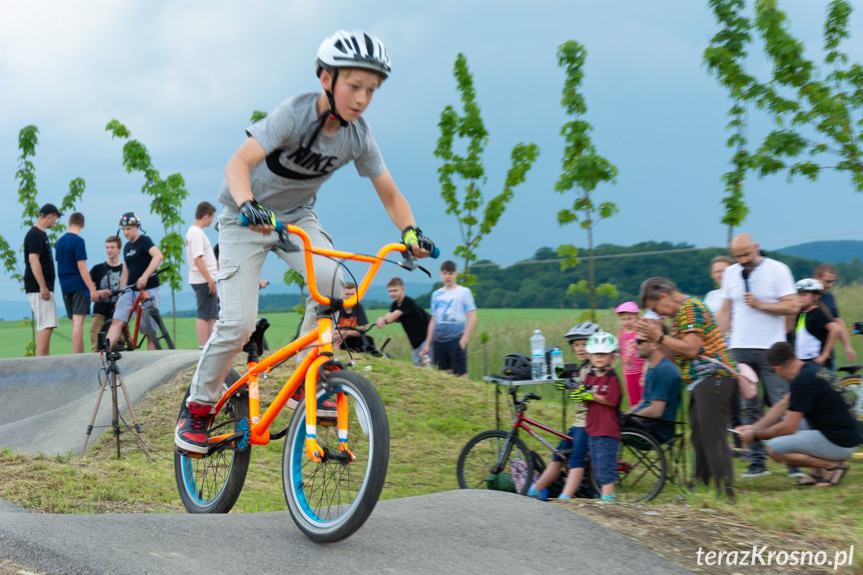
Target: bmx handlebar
375,261
132,286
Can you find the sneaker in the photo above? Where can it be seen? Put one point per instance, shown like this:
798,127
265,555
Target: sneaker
795,472
192,426
534,492
756,470
295,399
326,408
564,496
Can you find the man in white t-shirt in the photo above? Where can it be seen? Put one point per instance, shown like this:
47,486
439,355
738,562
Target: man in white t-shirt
453,318
203,271
758,292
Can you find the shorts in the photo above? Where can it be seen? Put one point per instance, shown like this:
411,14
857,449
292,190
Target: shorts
97,323
450,355
809,442
603,458
208,305
45,310
578,445
77,303
123,308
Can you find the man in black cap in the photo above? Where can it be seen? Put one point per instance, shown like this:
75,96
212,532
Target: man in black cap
39,276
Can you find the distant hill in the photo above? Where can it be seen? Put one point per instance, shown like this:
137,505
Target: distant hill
276,296
833,252
11,310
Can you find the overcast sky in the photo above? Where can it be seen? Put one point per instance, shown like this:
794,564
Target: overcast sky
184,77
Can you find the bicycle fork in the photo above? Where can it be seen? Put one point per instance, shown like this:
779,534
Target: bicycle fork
313,450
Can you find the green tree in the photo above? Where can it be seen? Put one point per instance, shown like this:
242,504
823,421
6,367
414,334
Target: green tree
469,168
724,57
583,168
816,110
167,200
28,139
293,277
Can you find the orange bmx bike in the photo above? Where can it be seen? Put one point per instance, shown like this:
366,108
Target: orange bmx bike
333,468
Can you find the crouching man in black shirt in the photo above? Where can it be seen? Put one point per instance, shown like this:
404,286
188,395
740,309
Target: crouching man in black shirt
813,426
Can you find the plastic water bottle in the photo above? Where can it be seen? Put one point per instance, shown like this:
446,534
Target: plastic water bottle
537,356
556,361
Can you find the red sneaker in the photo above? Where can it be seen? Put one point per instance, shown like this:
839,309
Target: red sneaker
191,432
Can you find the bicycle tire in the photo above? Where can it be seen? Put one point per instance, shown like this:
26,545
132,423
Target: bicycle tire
641,468
156,316
329,500
490,454
147,328
213,483
854,386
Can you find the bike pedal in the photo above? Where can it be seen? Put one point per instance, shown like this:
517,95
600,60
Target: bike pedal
189,453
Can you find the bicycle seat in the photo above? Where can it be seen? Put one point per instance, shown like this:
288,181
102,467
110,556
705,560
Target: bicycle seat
850,368
258,337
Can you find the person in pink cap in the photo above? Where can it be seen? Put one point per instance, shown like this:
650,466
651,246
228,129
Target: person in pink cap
633,366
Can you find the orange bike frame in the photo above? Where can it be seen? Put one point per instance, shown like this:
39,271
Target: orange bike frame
322,340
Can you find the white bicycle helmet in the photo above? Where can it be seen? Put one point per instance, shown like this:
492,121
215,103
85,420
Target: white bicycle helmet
809,285
353,49
582,331
601,342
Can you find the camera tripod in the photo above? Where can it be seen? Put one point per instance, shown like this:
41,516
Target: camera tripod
113,375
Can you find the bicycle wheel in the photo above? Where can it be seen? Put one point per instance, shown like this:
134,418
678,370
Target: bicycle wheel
492,461
161,331
212,484
330,499
854,387
641,468
148,329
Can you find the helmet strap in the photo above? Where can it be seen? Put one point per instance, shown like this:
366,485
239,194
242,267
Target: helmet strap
332,113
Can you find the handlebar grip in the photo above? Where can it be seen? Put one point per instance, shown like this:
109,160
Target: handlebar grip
244,222
429,246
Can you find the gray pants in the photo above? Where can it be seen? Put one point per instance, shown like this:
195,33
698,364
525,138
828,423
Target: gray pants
774,387
241,256
810,442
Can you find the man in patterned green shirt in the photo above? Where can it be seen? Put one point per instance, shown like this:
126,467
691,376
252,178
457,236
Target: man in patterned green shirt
698,348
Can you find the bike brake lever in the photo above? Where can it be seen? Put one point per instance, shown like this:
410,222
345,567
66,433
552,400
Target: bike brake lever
285,242
408,261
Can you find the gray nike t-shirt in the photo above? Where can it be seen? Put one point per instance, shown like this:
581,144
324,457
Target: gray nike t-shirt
287,181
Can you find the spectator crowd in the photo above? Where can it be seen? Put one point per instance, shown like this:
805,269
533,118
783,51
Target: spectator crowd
785,331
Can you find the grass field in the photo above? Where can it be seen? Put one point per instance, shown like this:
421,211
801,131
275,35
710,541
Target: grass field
509,329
